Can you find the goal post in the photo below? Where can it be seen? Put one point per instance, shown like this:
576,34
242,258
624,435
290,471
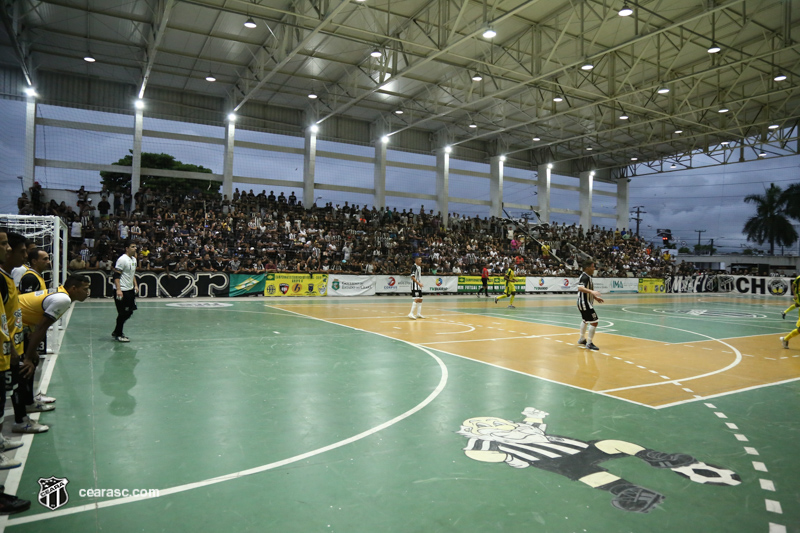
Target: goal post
50,234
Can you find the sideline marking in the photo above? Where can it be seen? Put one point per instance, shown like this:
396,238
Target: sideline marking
263,468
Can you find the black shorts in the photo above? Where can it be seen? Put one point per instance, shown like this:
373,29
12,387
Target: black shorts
128,302
588,315
416,293
485,281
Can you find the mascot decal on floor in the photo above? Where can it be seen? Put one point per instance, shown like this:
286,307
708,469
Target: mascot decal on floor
524,444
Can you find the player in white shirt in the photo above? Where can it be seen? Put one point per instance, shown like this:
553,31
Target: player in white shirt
416,289
127,289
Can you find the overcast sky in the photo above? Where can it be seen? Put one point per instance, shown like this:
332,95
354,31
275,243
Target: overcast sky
709,199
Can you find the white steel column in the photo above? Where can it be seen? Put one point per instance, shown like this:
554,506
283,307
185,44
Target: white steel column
543,192
496,185
29,168
136,164
227,165
309,165
586,189
623,216
379,199
443,182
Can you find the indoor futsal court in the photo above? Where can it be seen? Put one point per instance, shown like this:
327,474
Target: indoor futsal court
344,415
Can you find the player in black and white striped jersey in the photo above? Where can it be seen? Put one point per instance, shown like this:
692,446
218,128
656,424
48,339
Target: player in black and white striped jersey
586,298
416,289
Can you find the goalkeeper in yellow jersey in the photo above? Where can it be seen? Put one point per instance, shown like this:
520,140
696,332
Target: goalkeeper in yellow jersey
511,290
795,305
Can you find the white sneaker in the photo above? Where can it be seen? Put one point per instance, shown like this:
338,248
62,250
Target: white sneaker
785,343
7,462
9,444
39,407
420,316
29,426
411,316
44,399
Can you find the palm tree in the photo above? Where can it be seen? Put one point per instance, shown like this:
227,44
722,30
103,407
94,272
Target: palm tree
791,199
770,224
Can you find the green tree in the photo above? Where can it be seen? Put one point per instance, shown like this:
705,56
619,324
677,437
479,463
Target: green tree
770,223
120,181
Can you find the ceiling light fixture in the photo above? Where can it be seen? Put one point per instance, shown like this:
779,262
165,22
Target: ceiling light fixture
762,154
713,49
89,58
502,158
550,166
398,111
489,33
673,165
587,66
313,96
448,149
376,53
232,117
314,128
724,143
139,104
589,148
477,77
724,110
678,132
634,158
626,11
663,90
780,77
385,139
210,77
536,139
30,91
250,23
473,125
558,99
623,117
773,126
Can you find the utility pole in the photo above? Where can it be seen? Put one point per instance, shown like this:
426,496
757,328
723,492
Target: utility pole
638,218
699,232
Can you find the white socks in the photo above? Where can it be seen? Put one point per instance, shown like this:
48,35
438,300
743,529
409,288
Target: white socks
590,333
583,331
413,307
419,309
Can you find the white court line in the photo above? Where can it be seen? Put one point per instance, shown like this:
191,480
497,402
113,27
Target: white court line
271,466
497,339
470,330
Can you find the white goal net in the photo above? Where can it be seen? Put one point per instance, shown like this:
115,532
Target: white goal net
50,234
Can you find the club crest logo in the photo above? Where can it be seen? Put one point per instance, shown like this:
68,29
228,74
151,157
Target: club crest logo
778,287
335,284
284,287
53,492
323,288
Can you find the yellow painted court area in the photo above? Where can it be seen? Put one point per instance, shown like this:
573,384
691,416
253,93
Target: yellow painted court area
643,371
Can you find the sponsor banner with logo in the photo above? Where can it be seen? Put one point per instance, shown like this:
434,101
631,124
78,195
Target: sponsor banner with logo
651,286
756,285
162,284
351,285
393,285
542,284
496,284
608,285
244,284
438,284
296,284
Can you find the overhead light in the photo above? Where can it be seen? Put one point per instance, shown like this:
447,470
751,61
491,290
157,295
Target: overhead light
385,139
626,11
448,149
376,53
634,158
762,154
587,66
250,23
724,143
623,117
536,139
398,111
210,77
314,128
713,49
502,158
89,58
473,125
30,91
589,148
313,96
678,132
550,166
139,104
558,99
780,77
773,127
232,117
489,33
673,165
663,90
724,110
477,77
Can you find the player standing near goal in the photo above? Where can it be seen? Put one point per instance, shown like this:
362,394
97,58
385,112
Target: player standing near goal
795,305
586,298
416,289
511,289
127,289
32,279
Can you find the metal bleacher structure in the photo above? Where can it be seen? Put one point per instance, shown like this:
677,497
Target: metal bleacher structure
593,90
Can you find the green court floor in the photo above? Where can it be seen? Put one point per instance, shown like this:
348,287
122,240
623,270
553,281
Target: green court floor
252,417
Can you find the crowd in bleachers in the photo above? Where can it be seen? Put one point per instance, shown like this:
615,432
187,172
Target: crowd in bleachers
253,233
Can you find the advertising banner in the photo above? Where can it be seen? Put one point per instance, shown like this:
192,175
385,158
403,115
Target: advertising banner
162,284
393,285
759,286
608,285
496,284
651,286
351,285
537,284
244,284
438,284
296,284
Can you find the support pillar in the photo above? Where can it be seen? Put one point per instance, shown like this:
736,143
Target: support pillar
379,200
443,183
29,168
623,216
543,192
309,165
496,164
227,161
136,163
586,189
